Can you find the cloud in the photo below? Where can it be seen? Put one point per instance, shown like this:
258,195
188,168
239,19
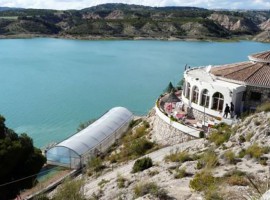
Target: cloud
79,4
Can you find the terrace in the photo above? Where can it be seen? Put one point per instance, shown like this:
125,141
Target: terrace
170,108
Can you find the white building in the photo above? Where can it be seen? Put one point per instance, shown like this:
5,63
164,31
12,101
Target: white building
208,89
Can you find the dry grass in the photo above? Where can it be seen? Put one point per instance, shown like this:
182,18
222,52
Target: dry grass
181,156
152,188
133,144
265,107
230,157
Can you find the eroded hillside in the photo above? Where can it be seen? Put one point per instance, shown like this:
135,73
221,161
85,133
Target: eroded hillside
133,22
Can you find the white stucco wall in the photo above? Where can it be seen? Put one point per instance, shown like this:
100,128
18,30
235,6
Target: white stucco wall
203,80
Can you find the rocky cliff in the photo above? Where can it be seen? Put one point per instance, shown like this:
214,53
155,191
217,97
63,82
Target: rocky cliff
236,24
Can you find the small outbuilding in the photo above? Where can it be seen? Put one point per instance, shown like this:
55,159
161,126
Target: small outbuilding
75,151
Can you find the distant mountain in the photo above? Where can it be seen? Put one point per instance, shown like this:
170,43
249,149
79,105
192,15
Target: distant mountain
8,8
133,21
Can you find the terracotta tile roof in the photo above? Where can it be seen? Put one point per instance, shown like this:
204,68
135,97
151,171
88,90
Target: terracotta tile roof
263,56
249,72
261,77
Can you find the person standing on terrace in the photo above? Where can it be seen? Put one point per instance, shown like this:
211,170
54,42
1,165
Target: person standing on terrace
226,111
232,110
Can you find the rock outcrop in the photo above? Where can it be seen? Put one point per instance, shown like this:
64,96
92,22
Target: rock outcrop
235,23
265,26
263,36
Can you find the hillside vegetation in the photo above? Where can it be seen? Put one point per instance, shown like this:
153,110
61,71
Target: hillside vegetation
230,163
20,162
133,21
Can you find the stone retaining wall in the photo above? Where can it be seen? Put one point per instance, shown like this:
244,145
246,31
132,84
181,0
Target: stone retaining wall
265,96
165,134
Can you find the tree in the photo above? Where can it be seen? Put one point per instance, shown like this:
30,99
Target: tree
169,88
18,159
2,127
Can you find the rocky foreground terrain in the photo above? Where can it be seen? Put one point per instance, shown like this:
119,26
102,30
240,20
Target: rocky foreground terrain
230,163
121,21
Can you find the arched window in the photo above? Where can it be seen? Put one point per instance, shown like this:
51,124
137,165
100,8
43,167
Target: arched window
195,94
205,98
188,91
218,101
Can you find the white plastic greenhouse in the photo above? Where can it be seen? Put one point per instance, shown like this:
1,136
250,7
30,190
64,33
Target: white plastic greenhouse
75,151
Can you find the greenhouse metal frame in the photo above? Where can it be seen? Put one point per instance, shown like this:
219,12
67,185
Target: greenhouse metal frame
76,151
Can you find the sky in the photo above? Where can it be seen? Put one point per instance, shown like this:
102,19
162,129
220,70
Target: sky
79,4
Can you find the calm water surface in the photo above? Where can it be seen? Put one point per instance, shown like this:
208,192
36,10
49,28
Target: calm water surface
49,86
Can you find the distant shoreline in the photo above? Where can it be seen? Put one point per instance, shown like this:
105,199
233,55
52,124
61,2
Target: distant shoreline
96,38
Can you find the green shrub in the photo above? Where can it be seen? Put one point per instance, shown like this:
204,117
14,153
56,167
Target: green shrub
249,136
213,194
230,157
133,144
153,173
237,180
142,164
134,123
102,183
202,181
221,125
218,138
181,157
139,132
202,134
221,134
200,165
263,161
263,107
242,153
70,189
146,124
173,119
139,147
255,151
150,188
236,177
181,173
208,159
121,182
95,164
241,139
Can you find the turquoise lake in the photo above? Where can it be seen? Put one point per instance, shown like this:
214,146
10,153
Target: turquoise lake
49,86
